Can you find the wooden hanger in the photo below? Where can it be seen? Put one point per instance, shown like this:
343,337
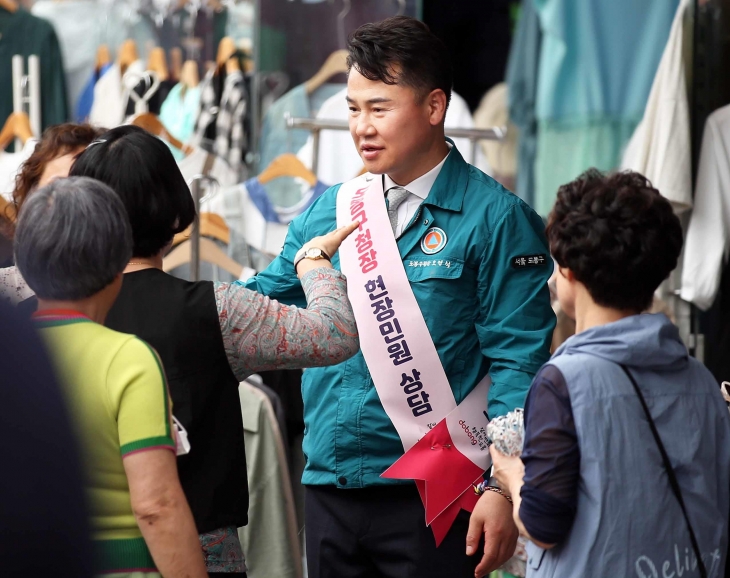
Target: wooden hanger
176,63
151,123
127,55
189,75
336,63
9,5
209,252
103,57
157,62
16,126
211,225
287,165
226,49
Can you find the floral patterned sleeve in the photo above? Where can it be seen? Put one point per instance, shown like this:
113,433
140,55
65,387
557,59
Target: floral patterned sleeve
260,333
13,288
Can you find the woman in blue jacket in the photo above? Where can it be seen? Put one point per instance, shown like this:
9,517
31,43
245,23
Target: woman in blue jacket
592,489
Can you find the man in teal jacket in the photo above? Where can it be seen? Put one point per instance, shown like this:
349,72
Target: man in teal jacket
478,264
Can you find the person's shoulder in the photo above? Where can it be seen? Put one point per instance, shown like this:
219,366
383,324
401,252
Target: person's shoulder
491,200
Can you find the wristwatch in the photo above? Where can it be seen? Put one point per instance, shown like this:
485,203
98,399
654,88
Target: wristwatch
314,253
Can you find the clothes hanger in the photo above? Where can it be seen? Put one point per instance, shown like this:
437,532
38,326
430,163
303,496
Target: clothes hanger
16,126
132,79
176,63
9,5
127,55
287,165
189,74
102,57
211,225
209,252
157,62
336,63
226,49
151,123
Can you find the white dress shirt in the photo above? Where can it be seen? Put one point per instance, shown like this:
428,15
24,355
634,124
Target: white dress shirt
418,190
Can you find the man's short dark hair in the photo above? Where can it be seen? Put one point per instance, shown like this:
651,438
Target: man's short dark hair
402,50
618,236
72,239
142,171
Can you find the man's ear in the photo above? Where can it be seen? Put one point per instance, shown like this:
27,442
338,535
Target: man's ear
437,104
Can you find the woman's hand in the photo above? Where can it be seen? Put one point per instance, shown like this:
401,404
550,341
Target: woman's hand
331,242
509,471
328,243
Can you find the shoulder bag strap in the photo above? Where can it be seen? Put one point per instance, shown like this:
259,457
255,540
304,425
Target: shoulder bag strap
670,473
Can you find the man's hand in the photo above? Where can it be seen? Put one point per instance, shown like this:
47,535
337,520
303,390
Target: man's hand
492,516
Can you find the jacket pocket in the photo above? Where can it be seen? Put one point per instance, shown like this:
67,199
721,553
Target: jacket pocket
419,270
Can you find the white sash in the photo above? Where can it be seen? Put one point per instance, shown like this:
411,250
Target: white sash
402,358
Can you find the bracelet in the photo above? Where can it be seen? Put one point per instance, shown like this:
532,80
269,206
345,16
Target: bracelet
484,486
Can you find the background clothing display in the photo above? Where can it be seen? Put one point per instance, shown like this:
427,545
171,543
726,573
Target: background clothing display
10,164
25,35
592,88
78,25
223,104
661,148
179,112
111,96
708,235
271,539
521,77
276,138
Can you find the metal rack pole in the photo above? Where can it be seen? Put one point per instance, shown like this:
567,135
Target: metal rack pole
34,93
195,233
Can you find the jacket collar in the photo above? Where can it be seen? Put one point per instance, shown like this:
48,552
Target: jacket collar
450,187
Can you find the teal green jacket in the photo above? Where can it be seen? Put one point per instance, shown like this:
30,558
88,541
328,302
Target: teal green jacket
484,314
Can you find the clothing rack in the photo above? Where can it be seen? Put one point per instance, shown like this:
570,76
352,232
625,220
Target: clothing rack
196,189
318,125
27,91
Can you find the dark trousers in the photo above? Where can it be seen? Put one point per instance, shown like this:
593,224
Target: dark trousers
380,533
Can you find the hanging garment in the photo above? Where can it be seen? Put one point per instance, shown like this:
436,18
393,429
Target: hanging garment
221,116
276,138
242,215
260,196
708,237
154,101
661,147
522,71
339,160
194,164
501,155
178,114
110,96
270,540
86,98
25,35
597,63
76,23
10,164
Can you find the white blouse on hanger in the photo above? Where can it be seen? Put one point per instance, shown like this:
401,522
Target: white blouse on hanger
708,237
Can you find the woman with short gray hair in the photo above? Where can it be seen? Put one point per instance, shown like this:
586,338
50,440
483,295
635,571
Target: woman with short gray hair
72,242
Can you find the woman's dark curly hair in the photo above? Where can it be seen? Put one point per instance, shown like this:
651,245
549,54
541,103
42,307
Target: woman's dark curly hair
618,236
